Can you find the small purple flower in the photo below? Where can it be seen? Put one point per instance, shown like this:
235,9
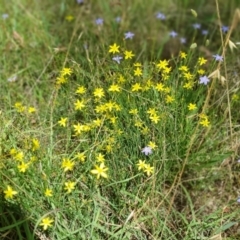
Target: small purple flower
218,58
196,25
183,40
161,16
5,16
225,29
147,150
204,32
80,1
238,200
173,34
118,19
117,59
99,21
129,35
204,80
238,160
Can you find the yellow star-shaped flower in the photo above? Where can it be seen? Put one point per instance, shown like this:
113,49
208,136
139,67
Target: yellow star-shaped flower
114,48
9,193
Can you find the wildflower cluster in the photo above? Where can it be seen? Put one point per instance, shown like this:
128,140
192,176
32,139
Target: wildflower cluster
63,76
24,109
101,121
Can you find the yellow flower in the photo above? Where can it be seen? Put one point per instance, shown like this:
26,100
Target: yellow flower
22,167
62,122
19,107
137,64
101,108
69,186
188,85
162,64
154,118
13,152
98,92
138,71
80,90
109,148
152,145
114,88
183,68
113,120
141,165
79,105
100,171
133,111
152,111
201,61
19,156
100,158
145,131
167,90
114,48
109,106
61,80
138,124
235,97
192,106
166,71
148,169
66,72
205,122
48,192
35,144
121,79
69,18
9,193
136,87
188,75
169,99
31,110
78,129
97,122
46,223
128,54
67,164
160,87
201,71
183,55
81,157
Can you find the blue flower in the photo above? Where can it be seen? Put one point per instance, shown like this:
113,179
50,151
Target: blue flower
204,80
99,21
80,1
238,200
183,40
129,35
218,58
196,25
118,19
5,16
225,29
160,15
173,34
204,32
147,150
117,59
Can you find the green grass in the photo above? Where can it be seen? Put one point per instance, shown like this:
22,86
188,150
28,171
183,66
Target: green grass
190,188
